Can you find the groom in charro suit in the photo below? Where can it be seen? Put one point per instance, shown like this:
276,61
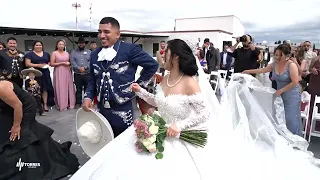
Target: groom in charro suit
112,71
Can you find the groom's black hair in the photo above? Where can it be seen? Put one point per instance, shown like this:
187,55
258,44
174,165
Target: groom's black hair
110,20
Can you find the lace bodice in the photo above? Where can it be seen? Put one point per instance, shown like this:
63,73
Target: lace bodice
187,112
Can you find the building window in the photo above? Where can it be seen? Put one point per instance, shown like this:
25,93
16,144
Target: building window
155,49
28,45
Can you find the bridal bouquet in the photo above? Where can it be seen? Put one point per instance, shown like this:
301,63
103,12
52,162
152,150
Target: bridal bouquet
151,131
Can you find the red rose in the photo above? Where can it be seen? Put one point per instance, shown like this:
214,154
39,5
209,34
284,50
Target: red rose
162,52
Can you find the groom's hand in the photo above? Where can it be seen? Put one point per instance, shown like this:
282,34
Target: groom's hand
87,105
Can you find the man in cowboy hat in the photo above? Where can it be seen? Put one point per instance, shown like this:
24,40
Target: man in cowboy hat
80,61
33,87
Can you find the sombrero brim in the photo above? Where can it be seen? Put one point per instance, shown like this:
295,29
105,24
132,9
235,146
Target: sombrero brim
107,134
25,72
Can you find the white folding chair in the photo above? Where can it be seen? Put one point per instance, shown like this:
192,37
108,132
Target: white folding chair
231,72
224,73
214,81
305,118
314,119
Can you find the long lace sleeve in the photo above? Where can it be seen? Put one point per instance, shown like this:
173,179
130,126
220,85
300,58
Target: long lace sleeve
146,96
199,113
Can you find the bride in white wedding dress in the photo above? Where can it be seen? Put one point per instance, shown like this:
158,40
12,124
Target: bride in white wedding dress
247,138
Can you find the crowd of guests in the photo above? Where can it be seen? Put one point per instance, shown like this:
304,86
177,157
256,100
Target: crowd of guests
60,92
291,70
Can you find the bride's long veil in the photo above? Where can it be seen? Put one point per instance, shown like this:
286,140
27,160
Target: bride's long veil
250,111
256,109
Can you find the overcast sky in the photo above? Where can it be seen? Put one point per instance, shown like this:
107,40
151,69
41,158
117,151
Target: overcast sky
266,20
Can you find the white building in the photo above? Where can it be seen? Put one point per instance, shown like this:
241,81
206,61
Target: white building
220,30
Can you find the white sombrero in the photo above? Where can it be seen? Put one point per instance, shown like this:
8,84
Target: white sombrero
93,131
25,72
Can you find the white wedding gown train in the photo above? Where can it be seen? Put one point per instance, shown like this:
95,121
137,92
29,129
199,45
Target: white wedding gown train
242,144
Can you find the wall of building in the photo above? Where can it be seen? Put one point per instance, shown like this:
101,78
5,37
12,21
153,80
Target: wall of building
230,24
49,42
147,43
224,23
196,38
238,28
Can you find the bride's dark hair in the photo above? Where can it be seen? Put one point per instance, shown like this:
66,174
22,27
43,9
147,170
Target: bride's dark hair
187,61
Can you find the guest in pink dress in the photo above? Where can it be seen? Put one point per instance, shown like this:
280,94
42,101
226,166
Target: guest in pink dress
62,78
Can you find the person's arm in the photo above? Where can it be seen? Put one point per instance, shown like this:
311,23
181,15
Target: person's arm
141,58
259,71
255,53
91,91
234,47
159,58
234,53
30,64
303,67
73,61
314,60
294,76
53,62
261,56
88,65
147,97
9,97
300,70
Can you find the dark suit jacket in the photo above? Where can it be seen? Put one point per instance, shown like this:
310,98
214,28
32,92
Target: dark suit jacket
212,58
121,70
7,62
229,61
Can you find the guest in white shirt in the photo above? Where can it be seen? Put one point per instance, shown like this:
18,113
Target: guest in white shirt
308,56
226,59
266,57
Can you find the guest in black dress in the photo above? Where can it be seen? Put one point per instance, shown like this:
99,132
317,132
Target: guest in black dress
39,60
27,151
